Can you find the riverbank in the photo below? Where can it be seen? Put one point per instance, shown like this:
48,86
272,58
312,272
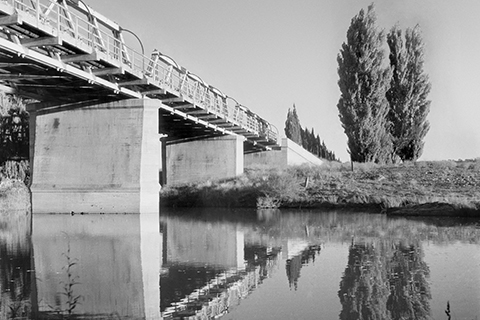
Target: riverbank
14,196
420,188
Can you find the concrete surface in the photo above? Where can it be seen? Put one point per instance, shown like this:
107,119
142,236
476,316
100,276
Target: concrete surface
96,159
199,160
290,154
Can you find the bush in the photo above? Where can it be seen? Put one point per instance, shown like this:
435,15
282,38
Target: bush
15,170
14,195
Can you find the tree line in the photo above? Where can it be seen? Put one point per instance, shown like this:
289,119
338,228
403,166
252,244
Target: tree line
305,137
383,105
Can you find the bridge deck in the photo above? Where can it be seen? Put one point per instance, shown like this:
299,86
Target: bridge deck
64,52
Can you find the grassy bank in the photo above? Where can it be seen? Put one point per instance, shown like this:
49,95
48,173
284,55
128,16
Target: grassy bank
420,188
14,194
14,197
14,211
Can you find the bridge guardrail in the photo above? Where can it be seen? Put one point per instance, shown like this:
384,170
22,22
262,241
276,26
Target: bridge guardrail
84,29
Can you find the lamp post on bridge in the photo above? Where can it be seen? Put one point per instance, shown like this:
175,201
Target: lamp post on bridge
234,100
90,20
168,59
133,52
86,7
276,129
237,104
132,33
243,108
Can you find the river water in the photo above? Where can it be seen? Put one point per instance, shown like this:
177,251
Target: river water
239,264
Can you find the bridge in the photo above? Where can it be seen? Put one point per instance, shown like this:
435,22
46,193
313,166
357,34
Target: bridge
98,109
61,52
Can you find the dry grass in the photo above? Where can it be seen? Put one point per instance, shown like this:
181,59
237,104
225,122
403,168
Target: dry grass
456,183
14,196
15,170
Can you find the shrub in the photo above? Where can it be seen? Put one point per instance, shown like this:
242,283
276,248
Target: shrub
16,170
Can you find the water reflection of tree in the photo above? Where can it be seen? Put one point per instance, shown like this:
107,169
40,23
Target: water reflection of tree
385,281
409,290
294,265
363,289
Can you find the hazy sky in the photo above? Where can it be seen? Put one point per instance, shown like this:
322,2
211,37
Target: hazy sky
270,54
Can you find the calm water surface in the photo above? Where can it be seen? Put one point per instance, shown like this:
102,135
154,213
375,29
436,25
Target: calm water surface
239,264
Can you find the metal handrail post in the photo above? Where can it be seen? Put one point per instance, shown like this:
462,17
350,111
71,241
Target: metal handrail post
58,20
76,29
37,12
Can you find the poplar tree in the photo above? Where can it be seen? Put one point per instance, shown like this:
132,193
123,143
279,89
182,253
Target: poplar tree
293,129
407,96
363,82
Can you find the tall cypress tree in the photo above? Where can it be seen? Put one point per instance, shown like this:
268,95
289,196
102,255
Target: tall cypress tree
407,96
293,129
363,82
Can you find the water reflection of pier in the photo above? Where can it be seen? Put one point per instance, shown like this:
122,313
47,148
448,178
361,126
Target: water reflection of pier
114,272
208,267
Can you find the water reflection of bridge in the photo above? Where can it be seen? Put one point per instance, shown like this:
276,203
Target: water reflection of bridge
209,269
124,268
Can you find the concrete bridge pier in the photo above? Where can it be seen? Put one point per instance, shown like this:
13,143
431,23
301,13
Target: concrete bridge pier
101,158
202,159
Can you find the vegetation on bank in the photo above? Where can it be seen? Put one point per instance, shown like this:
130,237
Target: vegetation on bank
14,150
443,187
14,197
14,193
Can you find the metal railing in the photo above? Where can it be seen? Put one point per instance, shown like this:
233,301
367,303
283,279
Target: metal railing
82,29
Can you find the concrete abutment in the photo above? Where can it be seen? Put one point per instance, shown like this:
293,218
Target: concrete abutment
289,154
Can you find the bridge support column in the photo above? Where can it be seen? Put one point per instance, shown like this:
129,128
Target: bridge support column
99,158
210,158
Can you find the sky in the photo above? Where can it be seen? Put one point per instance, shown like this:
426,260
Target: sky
272,54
